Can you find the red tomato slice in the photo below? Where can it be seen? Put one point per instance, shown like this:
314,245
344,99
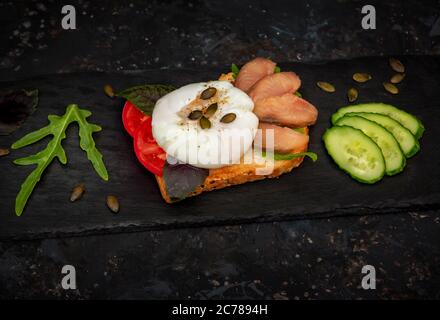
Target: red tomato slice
147,150
132,118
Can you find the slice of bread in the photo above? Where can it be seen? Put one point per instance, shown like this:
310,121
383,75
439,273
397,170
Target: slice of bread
238,174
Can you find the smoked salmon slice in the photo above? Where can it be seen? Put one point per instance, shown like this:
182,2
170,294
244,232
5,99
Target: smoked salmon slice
288,110
286,140
253,71
275,84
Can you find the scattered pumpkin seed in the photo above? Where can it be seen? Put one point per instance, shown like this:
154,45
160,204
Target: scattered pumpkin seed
211,110
352,94
397,78
195,115
113,204
327,87
77,192
208,93
391,88
361,77
228,118
4,152
204,123
397,65
108,89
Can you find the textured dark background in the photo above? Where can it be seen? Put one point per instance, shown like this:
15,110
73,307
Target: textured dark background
289,260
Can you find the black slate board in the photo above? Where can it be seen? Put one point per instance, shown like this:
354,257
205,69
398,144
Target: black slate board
314,190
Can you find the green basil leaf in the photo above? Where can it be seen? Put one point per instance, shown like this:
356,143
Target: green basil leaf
235,70
57,128
15,107
298,94
144,97
182,179
300,130
277,69
291,156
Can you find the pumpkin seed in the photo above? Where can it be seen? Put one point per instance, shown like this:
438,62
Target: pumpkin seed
211,110
208,93
228,118
195,115
108,89
204,123
361,77
397,78
397,65
113,204
327,87
77,193
352,94
391,88
4,152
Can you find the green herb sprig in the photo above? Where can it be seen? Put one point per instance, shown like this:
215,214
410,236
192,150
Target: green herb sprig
291,156
57,127
235,70
144,97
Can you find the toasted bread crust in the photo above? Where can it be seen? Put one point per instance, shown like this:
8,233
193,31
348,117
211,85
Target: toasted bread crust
237,174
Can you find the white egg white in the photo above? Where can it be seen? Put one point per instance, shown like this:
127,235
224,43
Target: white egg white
222,144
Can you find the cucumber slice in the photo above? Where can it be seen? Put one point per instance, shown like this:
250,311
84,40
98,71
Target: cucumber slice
355,153
395,161
408,143
407,120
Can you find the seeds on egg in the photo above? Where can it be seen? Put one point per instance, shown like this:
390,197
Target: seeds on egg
77,192
397,78
327,87
113,204
4,152
397,65
391,88
211,110
204,123
195,115
208,93
361,77
228,118
352,94
108,89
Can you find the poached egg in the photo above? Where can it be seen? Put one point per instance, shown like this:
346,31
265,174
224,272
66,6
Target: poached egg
221,143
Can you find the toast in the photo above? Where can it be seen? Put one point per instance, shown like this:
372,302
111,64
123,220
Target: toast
238,174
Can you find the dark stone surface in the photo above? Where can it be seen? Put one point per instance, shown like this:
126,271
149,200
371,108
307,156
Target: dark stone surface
121,35
309,259
314,190
303,259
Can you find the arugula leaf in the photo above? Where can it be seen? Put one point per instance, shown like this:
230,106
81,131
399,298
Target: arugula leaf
57,127
144,97
277,69
291,156
182,179
300,130
88,144
297,93
235,70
